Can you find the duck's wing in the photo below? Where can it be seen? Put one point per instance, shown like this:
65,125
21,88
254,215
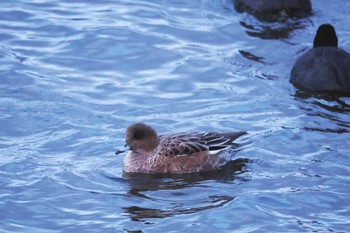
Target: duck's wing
181,144
217,142
186,144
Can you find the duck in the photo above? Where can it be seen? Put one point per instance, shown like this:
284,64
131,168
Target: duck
325,67
176,153
294,7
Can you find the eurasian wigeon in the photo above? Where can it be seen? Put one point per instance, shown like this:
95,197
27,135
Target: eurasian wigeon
178,153
325,67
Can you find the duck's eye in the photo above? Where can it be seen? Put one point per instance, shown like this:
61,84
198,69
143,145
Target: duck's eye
139,135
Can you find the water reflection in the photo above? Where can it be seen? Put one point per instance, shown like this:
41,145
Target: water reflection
271,30
251,56
322,95
330,112
173,195
139,214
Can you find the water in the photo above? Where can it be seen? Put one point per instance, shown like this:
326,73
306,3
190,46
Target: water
75,74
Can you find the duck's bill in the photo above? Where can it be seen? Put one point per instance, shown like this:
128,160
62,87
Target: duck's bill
122,149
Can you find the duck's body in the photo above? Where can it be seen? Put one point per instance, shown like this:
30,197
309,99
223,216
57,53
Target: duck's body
322,69
178,153
325,67
275,6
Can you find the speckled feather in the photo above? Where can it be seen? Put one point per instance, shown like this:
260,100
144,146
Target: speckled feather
182,144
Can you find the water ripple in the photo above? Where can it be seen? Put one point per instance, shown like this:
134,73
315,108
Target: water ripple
75,74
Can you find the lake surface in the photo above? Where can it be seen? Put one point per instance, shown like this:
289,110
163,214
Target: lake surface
74,74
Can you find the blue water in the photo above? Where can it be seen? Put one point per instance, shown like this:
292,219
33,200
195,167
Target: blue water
75,74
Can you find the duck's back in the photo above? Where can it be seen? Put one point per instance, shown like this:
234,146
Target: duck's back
322,69
274,6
